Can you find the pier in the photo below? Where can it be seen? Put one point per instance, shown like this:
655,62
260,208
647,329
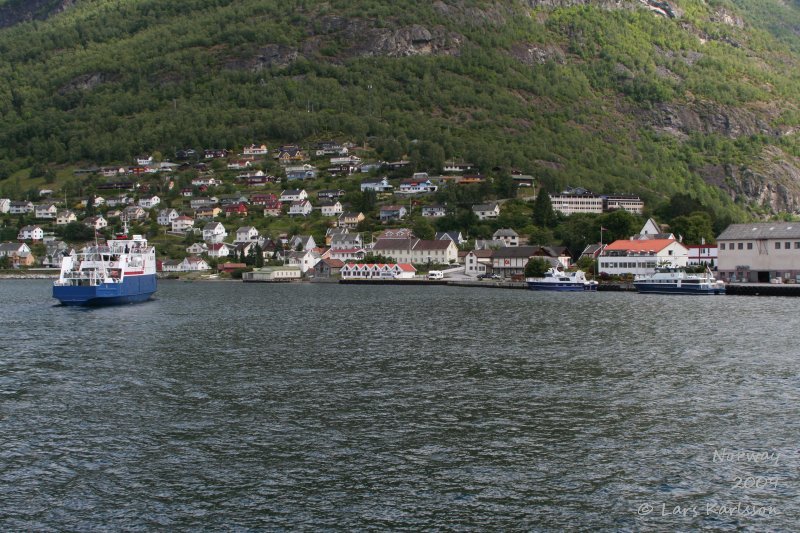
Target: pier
762,289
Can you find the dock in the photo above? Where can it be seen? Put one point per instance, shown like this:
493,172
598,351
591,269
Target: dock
762,289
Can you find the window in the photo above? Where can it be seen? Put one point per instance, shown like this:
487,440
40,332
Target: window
797,245
749,245
777,246
741,246
722,246
787,246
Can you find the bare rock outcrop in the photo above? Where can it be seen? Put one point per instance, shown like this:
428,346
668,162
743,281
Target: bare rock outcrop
772,181
709,117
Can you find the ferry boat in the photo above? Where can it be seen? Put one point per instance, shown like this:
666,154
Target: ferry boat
557,280
121,271
674,280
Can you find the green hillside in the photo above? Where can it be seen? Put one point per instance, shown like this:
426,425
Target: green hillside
691,97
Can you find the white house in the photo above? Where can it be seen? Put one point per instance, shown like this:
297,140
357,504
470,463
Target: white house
377,185
21,207
30,233
194,264
197,248
511,260
300,208
148,202
182,223
305,259
477,262
293,195
144,160
486,211
642,256
392,212
509,236
301,242
214,232
46,211
9,249
5,205
246,234
417,186
218,249
97,223
331,208
166,216
434,211
65,217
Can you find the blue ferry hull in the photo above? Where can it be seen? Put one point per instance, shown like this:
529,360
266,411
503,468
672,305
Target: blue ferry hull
133,289
561,287
660,288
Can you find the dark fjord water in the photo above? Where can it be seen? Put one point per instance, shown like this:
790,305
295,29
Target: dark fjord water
224,405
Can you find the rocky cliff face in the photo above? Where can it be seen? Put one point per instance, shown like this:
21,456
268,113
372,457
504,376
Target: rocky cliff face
772,181
16,11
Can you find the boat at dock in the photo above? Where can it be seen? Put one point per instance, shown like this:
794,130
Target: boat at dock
558,280
120,271
675,280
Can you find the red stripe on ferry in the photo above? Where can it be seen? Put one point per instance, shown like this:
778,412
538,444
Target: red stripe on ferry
134,272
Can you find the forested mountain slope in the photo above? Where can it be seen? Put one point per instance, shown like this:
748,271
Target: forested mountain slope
649,96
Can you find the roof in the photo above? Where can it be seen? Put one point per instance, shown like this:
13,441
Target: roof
766,230
433,245
392,208
484,207
647,245
394,244
520,251
333,263
506,232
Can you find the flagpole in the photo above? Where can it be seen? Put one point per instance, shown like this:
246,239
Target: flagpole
599,253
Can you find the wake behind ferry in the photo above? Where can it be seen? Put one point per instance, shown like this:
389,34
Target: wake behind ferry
121,271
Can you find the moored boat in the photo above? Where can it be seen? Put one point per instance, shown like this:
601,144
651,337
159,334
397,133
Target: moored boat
673,280
121,271
558,280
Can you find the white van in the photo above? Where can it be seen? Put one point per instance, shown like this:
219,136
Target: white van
435,274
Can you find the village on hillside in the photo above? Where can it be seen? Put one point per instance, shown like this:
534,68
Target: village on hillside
323,211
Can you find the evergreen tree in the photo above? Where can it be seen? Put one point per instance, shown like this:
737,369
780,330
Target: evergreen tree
543,214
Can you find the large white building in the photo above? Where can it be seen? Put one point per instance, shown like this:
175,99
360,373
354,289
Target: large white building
759,252
642,256
569,204
630,203
417,251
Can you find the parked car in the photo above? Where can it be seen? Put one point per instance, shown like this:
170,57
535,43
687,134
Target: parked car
486,275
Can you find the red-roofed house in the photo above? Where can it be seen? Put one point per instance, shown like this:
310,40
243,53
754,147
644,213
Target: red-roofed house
642,256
